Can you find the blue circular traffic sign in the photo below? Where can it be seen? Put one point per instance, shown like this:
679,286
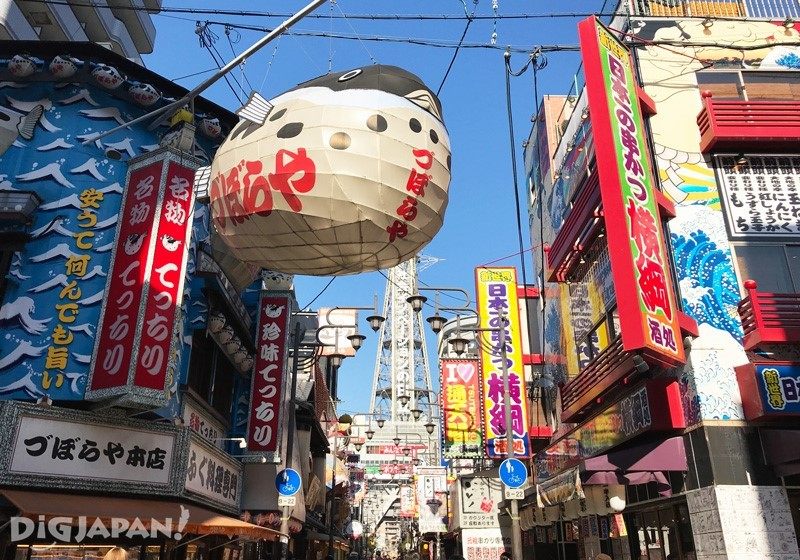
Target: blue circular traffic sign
513,473
288,482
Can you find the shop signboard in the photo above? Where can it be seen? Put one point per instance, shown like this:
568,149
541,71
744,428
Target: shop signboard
461,409
653,406
335,339
408,502
213,476
269,379
431,487
202,423
134,353
648,312
770,389
484,544
478,501
68,449
496,289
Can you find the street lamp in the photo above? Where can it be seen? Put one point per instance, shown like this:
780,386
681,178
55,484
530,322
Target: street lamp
416,301
369,433
416,413
403,399
429,427
436,322
380,422
356,340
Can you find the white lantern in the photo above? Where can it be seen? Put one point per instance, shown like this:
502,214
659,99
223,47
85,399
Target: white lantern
348,173
233,346
246,364
225,335
215,322
240,356
606,500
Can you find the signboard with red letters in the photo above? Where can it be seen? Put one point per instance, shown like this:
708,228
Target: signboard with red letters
134,349
645,296
267,392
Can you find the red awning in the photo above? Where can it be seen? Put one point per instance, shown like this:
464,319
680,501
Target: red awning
200,521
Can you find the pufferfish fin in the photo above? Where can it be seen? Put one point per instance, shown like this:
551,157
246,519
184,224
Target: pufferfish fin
202,179
424,99
256,109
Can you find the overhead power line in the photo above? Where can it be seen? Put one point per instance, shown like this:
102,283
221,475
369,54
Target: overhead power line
376,17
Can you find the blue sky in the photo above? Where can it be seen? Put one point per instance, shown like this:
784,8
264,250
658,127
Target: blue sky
480,222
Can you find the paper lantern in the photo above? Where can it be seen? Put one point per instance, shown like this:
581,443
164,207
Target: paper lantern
348,173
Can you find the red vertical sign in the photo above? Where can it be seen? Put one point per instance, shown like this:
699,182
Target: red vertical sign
266,394
119,318
168,270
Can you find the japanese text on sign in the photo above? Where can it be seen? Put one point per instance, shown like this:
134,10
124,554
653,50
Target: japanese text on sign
499,311
415,186
761,197
268,380
212,476
461,408
780,387
76,268
247,189
118,321
645,299
165,290
61,448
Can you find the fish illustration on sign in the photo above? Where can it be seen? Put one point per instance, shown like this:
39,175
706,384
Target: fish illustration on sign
14,125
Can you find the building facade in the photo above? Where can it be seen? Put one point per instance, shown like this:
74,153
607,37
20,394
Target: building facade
125,27
662,197
129,334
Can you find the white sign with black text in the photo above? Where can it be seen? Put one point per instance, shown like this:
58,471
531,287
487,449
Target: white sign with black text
60,448
213,475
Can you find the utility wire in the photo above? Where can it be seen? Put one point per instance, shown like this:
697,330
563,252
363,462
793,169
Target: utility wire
458,47
373,17
369,54
316,297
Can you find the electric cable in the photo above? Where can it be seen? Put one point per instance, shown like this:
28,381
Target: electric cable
316,297
458,47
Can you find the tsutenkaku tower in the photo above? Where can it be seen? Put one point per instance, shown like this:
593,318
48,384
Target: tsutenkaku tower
401,367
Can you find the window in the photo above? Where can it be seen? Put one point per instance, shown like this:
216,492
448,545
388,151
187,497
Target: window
774,266
211,375
598,338
722,85
751,85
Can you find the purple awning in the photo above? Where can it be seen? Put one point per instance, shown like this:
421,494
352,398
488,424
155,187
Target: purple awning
638,464
666,455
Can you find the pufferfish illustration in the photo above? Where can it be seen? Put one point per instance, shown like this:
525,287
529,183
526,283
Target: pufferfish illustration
134,242
14,124
170,243
346,173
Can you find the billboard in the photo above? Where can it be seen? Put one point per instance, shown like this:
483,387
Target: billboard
496,290
432,499
135,336
645,297
267,392
461,404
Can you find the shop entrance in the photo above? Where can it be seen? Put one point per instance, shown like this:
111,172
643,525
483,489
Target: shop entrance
664,533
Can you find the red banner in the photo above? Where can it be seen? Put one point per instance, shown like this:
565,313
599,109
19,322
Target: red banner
120,315
461,408
266,394
168,270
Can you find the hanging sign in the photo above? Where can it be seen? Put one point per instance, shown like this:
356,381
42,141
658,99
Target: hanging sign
648,312
460,383
135,345
498,308
267,392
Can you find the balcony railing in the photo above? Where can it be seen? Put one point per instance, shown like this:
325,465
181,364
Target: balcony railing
769,318
609,368
734,124
762,9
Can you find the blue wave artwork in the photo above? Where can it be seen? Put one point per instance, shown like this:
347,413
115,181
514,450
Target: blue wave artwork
42,291
790,60
714,294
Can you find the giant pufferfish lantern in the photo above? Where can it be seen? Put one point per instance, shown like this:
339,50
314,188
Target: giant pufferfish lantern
346,173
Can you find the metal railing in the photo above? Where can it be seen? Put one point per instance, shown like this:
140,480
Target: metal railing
758,9
769,318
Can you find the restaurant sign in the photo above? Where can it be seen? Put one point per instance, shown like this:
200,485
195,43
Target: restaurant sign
648,312
212,475
498,310
478,500
653,406
68,449
461,409
202,424
769,389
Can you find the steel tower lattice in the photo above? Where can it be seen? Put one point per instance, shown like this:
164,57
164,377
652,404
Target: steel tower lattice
402,367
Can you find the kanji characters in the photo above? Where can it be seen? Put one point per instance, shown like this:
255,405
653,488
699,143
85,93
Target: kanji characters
144,188
653,285
77,265
90,198
175,213
57,357
139,214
